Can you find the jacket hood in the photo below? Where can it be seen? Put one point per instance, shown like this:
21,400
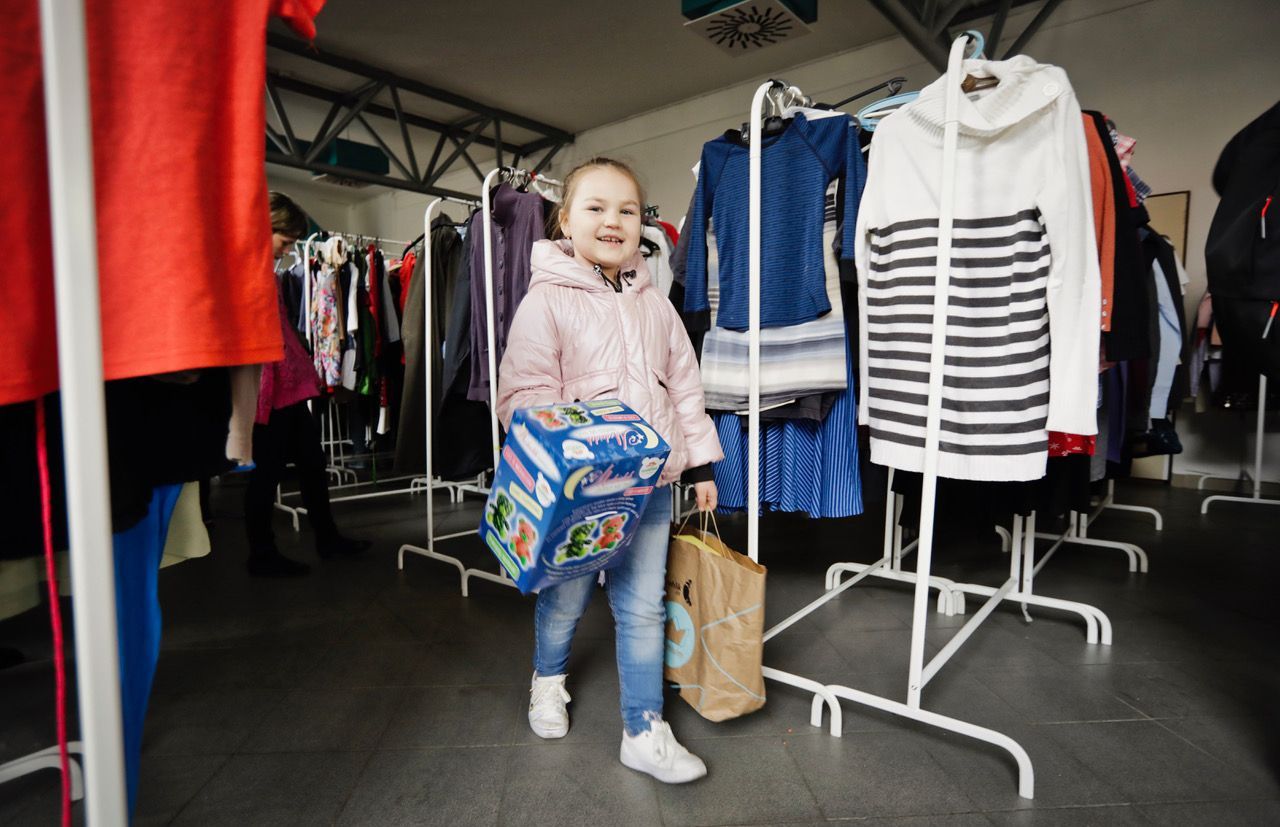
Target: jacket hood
1025,88
552,262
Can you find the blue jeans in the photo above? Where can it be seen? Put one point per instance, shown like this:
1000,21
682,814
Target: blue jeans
637,597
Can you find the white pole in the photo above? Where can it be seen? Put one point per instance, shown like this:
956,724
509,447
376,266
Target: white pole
488,306
1257,448
306,286
933,422
753,324
427,353
68,129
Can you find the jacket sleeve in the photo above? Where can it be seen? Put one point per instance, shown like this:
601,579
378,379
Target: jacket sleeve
529,375
684,387
1074,291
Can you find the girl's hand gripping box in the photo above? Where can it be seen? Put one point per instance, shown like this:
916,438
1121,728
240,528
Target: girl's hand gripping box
571,485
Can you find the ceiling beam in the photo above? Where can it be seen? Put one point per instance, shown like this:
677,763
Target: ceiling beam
927,24
915,32
357,67
285,160
1034,26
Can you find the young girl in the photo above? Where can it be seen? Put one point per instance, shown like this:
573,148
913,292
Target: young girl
593,327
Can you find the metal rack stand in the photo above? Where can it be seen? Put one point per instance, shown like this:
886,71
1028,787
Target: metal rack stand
1023,567
457,489
1256,476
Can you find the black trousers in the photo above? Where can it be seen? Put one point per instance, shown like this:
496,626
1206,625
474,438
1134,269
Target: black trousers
291,435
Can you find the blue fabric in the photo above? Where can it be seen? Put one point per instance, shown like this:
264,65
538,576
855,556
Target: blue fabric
804,465
137,554
637,597
796,168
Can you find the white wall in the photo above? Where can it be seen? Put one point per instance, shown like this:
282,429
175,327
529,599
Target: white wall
1181,76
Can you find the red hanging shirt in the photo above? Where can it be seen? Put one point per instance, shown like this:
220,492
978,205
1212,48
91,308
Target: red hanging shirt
184,237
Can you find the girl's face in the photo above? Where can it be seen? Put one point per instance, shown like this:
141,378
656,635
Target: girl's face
603,219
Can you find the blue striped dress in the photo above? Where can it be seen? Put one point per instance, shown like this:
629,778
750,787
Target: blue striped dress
804,465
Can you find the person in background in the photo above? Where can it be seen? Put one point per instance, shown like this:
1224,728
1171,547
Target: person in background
592,326
286,431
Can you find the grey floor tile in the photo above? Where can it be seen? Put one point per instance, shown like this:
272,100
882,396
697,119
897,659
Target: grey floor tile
885,650
206,723
948,820
1250,744
279,789
35,799
459,786
962,695
496,661
167,782
1175,690
877,774
811,656
989,775
1148,763
995,647
1217,813
326,720
1107,816
455,716
567,783
1060,693
266,629
377,624
352,665
194,670
749,781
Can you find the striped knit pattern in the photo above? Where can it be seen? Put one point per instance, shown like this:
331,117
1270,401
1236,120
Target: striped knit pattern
995,395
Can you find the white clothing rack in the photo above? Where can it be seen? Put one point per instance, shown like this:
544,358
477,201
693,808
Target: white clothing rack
1256,477
333,439
458,488
1018,587
69,136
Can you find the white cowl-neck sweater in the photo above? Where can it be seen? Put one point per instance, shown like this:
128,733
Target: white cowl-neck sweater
1023,301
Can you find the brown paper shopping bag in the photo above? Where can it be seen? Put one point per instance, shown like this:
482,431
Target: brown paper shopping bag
715,625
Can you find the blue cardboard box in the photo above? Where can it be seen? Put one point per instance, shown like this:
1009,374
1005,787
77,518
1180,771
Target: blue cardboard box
572,482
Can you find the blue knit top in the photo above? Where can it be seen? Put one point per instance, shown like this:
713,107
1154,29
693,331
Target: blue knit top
796,168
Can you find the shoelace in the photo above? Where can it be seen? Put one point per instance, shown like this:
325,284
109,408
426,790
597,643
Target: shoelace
543,690
664,741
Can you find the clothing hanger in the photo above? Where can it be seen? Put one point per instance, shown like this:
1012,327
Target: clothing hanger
973,83
870,115
894,85
776,101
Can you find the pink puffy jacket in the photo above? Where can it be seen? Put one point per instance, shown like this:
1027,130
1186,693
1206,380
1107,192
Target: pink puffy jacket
573,338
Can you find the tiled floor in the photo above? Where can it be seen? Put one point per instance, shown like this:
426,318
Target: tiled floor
365,695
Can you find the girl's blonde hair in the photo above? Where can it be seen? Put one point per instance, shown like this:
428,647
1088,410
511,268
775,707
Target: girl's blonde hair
571,185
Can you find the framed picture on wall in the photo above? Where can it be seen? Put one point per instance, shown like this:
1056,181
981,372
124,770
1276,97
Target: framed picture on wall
1169,213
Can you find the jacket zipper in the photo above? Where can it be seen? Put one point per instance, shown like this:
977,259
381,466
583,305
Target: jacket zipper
1262,220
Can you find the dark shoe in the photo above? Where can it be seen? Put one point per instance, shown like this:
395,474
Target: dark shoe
341,547
275,564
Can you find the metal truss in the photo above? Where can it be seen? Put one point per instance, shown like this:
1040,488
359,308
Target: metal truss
927,24
482,126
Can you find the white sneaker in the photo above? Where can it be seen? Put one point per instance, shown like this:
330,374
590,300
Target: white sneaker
548,717
658,753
